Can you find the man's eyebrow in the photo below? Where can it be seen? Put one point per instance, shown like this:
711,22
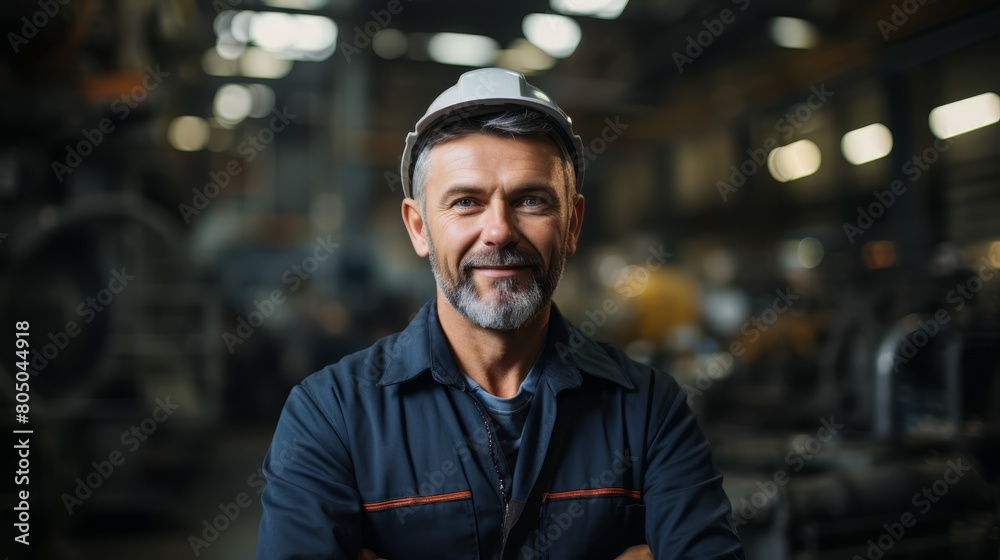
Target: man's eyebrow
459,190
535,188
463,188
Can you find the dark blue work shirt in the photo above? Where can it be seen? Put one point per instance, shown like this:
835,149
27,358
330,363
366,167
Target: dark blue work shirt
392,454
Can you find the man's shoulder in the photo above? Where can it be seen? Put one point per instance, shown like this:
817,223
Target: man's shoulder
358,370
604,360
644,376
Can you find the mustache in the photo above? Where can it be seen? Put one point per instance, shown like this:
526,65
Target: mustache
502,257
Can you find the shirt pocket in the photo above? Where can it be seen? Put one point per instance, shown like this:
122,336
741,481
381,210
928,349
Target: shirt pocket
418,527
596,524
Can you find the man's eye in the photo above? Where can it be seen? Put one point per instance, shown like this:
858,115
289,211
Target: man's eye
464,203
533,201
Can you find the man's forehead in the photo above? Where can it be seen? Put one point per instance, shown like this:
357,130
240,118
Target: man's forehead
479,153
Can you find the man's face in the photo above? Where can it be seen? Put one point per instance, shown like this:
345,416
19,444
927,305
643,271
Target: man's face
500,222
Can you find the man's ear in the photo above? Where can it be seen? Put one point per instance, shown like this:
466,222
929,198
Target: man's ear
575,223
415,226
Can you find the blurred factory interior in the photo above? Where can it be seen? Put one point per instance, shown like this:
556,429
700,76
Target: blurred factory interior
792,206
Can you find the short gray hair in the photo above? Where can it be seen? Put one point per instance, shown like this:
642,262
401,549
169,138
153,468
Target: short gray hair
514,123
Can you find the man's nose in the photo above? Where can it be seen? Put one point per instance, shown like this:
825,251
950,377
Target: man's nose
499,227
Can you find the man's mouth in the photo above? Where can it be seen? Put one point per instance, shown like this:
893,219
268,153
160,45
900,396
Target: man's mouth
500,271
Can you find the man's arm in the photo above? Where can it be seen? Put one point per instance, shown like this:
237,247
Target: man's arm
311,503
686,508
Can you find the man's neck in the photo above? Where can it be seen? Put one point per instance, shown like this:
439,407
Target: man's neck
497,360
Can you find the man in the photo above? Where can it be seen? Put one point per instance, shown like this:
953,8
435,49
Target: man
491,427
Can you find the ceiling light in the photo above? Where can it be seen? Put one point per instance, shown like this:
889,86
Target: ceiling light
965,115
794,161
258,63
867,144
521,56
389,43
793,33
462,49
188,133
297,4
604,9
556,35
233,103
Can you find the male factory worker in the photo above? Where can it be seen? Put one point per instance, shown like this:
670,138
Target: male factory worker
491,427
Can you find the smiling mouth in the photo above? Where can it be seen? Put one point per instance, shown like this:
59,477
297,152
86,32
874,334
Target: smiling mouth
500,271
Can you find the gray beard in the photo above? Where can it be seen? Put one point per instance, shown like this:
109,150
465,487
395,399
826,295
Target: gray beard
516,301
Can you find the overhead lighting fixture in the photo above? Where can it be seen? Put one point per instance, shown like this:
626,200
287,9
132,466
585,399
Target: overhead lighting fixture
802,253
993,252
239,26
288,36
258,63
233,103
794,161
214,65
557,35
297,4
188,133
809,252
603,9
966,115
462,49
521,56
314,34
866,144
273,31
223,22
793,33
262,100
229,49
389,43
227,46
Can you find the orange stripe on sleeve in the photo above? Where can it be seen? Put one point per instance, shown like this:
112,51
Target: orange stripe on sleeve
417,500
591,493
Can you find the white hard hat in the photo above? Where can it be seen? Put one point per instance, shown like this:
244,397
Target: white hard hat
484,91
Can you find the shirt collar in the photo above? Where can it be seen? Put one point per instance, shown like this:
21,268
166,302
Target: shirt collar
422,347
